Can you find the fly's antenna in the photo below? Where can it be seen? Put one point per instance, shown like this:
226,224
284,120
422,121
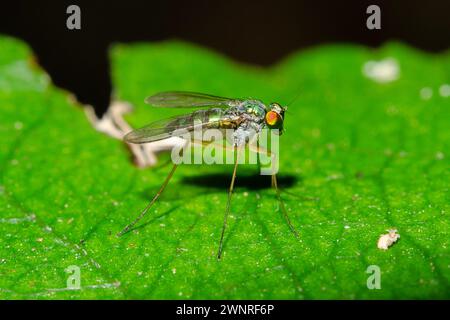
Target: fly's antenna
291,103
294,99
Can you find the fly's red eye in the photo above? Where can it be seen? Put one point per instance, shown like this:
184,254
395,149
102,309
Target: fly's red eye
272,118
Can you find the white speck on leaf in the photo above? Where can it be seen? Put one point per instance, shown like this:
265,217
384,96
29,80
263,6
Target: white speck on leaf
383,71
439,155
387,240
31,217
444,90
18,125
426,93
335,176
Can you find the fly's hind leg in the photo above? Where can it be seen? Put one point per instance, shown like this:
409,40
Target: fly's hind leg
144,212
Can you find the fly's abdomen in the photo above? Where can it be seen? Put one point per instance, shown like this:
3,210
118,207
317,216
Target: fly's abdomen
210,118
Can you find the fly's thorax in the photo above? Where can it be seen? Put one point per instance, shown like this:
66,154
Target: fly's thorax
251,114
255,110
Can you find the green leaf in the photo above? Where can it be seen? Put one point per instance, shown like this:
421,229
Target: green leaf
358,157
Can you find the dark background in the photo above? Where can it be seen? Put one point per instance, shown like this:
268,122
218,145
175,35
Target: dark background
258,32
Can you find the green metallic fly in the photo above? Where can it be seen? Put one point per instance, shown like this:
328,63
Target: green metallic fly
245,117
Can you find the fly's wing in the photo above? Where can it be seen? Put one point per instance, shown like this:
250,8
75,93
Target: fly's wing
179,126
181,99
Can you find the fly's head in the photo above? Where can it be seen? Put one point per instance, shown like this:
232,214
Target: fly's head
275,117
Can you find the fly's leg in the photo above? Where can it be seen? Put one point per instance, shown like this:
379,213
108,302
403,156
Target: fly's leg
230,190
261,150
274,183
142,214
227,210
283,209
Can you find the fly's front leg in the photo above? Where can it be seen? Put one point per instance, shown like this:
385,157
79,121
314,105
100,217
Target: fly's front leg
274,183
273,158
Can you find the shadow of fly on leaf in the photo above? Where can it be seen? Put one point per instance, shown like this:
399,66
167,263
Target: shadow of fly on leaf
241,122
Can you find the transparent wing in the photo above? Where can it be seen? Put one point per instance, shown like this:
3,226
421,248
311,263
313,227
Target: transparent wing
181,99
178,126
